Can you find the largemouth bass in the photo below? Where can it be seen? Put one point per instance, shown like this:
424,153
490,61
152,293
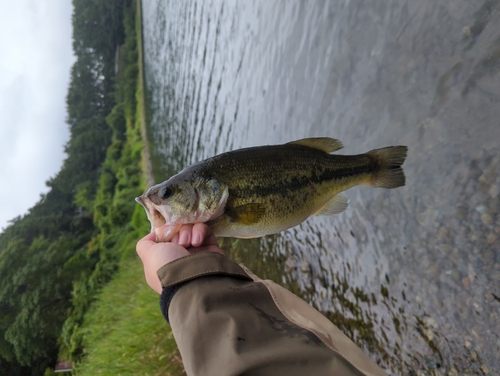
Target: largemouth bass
263,190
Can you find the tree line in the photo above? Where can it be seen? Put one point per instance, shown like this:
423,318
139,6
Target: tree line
54,258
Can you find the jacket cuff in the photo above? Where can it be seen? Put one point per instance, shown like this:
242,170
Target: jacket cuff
198,265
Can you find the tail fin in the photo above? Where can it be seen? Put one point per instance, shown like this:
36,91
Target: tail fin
389,172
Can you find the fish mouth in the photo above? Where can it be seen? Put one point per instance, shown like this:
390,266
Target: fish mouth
159,219
156,215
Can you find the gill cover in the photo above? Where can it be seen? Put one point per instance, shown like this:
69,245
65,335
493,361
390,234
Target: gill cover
180,201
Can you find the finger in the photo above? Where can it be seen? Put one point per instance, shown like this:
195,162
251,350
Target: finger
145,243
150,236
202,234
185,236
175,239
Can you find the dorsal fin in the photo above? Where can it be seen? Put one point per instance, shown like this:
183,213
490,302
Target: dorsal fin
326,144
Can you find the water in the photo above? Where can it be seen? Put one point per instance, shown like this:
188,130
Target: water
412,275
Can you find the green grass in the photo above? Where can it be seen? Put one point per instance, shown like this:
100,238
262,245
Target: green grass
124,331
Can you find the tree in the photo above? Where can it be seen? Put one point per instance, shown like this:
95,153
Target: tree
42,254
35,290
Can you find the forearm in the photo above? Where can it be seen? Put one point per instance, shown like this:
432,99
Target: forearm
227,322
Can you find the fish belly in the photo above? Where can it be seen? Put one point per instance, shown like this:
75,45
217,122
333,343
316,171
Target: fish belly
281,210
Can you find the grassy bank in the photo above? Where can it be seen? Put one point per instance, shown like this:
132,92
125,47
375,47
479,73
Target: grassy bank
124,331
115,326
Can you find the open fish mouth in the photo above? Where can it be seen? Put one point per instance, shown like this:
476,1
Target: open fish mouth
159,218
154,213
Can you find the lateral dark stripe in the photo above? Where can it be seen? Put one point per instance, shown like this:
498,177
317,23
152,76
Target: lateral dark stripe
345,172
279,185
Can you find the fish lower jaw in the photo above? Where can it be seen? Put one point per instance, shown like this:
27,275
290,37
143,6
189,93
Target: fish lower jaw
166,232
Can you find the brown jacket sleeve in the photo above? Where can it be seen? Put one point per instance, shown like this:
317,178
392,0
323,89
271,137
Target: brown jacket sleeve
227,321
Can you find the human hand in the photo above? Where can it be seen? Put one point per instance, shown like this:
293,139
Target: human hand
190,239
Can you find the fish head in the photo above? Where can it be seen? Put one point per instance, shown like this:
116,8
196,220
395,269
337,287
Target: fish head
179,201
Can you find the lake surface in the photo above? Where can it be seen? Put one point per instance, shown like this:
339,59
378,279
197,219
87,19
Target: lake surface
412,275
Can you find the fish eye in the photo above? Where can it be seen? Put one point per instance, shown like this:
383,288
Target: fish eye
166,192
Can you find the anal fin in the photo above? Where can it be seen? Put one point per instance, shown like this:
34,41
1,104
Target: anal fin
337,204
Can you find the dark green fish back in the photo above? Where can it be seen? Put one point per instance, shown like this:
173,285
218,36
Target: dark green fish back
266,170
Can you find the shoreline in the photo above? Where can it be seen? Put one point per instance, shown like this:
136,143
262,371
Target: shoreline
146,156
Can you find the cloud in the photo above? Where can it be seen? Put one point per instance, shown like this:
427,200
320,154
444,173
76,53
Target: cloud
36,57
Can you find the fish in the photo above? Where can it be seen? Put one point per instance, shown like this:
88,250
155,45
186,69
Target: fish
263,190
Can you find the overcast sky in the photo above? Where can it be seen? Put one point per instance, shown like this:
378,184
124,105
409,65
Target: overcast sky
35,61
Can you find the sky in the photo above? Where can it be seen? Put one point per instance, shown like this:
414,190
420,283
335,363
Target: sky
35,61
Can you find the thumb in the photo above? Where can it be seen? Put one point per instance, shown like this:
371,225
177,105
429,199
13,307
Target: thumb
145,243
150,236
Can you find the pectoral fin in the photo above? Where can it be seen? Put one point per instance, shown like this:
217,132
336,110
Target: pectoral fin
336,205
247,214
